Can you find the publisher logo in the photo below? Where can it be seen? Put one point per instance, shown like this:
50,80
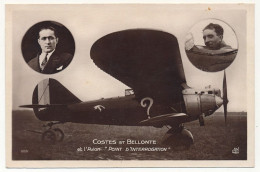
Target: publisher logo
235,150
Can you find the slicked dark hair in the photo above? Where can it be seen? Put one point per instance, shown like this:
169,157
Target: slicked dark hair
218,29
50,28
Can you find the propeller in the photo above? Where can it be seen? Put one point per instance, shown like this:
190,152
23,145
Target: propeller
225,99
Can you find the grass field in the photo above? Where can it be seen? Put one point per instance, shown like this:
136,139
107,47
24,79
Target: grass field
214,141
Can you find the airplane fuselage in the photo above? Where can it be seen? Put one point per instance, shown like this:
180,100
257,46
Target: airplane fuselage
127,110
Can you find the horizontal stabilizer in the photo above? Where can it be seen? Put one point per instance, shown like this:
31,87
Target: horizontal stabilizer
166,119
42,106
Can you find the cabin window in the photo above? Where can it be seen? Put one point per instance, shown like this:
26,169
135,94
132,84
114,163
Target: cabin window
202,92
210,92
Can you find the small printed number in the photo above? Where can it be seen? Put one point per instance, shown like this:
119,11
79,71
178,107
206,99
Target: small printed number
24,151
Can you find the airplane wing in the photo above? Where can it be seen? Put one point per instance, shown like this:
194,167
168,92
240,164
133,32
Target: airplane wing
148,61
167,119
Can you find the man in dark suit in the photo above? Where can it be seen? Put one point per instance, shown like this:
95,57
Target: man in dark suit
49,61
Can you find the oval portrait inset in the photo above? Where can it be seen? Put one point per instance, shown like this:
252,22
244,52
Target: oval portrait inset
48,47
211,45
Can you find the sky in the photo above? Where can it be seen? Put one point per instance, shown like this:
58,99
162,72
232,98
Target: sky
87,23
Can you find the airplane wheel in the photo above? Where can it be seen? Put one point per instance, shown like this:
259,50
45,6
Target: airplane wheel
178,139
59,134
49,136
188,137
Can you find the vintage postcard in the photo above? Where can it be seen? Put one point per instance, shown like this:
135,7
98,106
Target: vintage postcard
130,85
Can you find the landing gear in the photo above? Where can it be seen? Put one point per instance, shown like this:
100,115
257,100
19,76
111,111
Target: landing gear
52,135
179,138
49,136
201,120
59,134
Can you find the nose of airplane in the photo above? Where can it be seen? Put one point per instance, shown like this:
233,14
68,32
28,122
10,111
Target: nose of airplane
219,101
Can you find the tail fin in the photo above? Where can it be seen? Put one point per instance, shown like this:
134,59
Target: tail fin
50,100
51,92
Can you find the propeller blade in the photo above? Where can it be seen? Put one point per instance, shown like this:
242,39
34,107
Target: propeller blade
225,99
225,112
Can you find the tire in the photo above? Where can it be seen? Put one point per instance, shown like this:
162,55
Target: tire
178,140
59,134
49,136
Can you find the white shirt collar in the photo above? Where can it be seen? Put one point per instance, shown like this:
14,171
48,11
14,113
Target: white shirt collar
42,56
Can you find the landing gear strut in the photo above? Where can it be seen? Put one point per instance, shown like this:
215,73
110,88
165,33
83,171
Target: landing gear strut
201,120
178,138
52,135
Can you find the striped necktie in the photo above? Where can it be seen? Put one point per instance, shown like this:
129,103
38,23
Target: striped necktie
44,62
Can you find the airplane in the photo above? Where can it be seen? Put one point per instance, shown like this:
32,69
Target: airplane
149,63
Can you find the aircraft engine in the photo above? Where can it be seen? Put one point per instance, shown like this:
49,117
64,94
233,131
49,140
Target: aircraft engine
210,103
